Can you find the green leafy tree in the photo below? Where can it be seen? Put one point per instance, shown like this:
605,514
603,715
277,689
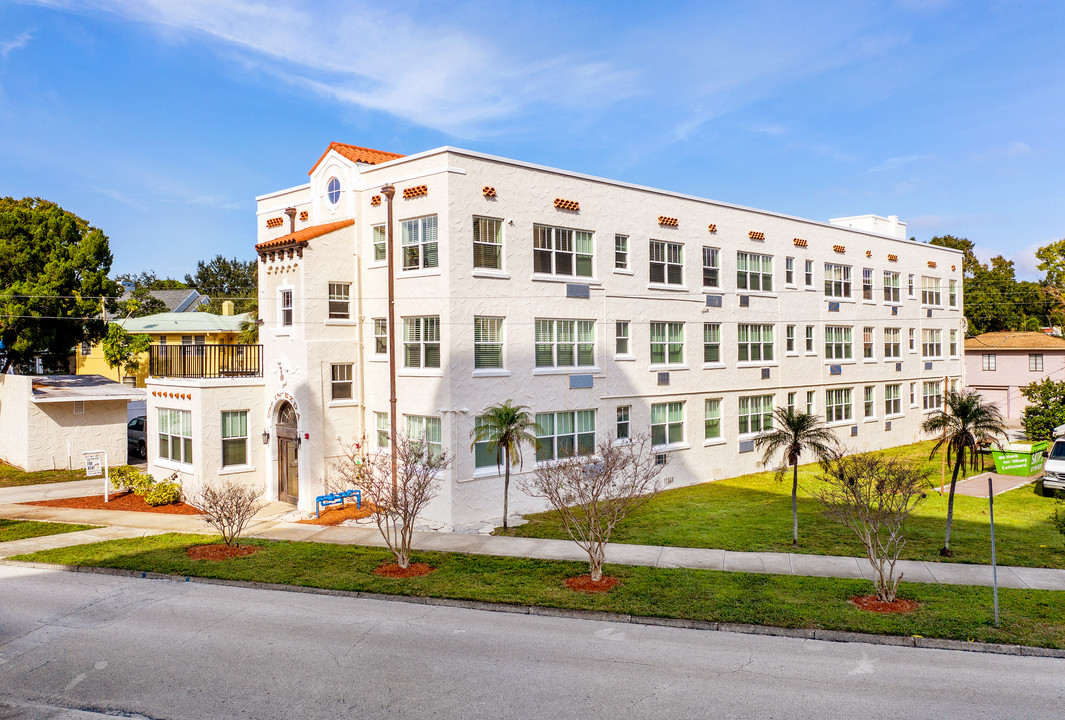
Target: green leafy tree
1045,410
505,428
53,275
964,424
794,433
123,350
969,263
221,279
1052,261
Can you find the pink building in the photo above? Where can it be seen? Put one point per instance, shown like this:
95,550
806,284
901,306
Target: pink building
999,364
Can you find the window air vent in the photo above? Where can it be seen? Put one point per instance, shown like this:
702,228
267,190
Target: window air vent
663,378
928,366
887,425
745,300
854,431
660,459
929,311
765,373
898,367
833,307
576,290
713,301
580,382
416,191
835,369
746,446
894,309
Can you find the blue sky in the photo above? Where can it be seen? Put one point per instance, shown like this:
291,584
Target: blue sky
159,121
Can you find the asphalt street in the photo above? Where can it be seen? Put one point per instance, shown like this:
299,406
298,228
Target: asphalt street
76,646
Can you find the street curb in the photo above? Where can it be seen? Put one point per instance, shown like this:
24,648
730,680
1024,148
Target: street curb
911,641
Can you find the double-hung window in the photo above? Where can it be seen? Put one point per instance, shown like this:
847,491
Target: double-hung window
711,342
870,401
175,434
912,335
711,267
421,342
339,301
952,293
624,413
892,342
487,243
667,262
930,291
562,251
932,345
712,429
484,455
565,343
286,308
954,343
756,413
419,243
667,423
487,342
988,362
810,339
341,381
426,436
789,339
621,337
565,434
837,280
909,287
755,343
892,400
933,394
380,336
621,252
383,429
867,283
837,343
754,271
789,271
891,287
837,404
667,343
380,240
867,343
1035,362
808,274
234,438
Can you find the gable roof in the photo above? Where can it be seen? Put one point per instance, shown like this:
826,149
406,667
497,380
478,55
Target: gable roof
1015,340
179,300
356,154
300,237
187,322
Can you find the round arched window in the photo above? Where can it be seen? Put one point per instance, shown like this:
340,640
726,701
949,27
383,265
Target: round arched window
333,189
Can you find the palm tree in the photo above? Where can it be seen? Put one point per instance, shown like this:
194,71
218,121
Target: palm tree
795,433
505,427
965,423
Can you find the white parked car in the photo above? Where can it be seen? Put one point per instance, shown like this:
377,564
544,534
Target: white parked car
1054,467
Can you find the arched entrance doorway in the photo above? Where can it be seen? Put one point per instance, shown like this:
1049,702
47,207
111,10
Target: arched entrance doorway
288,443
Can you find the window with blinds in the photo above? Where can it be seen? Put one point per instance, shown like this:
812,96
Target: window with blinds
488,243
565,343
487,342
419,240
562,251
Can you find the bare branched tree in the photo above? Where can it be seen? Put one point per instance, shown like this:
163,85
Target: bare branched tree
227,507
593,494
873,497
394,505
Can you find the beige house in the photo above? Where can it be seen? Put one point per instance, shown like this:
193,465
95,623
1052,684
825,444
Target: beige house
999,364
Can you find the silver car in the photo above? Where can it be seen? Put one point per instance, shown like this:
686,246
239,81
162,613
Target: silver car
135,436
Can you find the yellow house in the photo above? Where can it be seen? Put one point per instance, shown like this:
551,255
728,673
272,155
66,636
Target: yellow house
170,329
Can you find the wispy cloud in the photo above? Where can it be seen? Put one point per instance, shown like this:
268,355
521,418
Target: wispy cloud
20,41
900,161
1005,151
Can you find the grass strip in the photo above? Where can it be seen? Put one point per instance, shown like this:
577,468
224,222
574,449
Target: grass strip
1029,617
22,529
11,476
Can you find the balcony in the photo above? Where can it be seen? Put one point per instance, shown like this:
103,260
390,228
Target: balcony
205,361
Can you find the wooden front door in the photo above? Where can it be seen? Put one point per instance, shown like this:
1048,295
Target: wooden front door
288,480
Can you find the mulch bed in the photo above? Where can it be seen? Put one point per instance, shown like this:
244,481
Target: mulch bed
220,552
119,501
870,603
584,583
338,514
391,570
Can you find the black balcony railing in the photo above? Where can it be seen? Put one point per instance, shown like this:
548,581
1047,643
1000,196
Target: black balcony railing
205,361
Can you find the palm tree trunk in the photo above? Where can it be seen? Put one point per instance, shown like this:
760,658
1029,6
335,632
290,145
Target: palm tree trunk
945,551
795,504
506,485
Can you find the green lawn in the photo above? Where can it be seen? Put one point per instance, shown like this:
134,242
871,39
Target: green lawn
21,529
753,512
1030,617
11,476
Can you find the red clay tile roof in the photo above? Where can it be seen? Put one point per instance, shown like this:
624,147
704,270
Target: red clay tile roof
357,154
1015,340
302,236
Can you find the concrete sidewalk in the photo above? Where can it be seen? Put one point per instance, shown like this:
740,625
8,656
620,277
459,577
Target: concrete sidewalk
270,524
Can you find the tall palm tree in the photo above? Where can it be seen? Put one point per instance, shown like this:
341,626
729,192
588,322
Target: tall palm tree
964,424
794,434
505,427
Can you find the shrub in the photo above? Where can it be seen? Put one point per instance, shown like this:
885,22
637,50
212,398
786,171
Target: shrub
122,477
163,493
1058,518
228,507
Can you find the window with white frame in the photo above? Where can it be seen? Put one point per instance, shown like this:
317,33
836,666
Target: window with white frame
565,434
487,343
419,240
910,286
952,293
933,394
234,438
756,413
667,343
487,243
1035,362
175,434
867,343
892,399
913,339
789,339
484,455
286,308
837,280
932,345
837,343
988,362
339,301
425,435
86,348
754,272
838,405
913,394
892,342
891,287
621,252
791,401
380,243
755,343
711,342
867,283
870,401
421,342
811,396
383,429
954,343
712,424
341,381
562,251
810,339
789,271
380,336
565,343
711,267
667,423
930,291
667,262
621,337
808,274
624,416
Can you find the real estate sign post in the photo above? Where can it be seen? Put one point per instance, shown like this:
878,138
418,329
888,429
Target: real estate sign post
95,466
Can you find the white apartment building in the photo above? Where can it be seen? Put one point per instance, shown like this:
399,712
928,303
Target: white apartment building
606,308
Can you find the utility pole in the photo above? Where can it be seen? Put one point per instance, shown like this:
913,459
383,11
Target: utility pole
389,191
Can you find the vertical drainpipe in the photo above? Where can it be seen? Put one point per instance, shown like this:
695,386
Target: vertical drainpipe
291,212
389,191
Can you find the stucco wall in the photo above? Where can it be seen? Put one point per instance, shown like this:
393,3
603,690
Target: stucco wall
1003,384
14,418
